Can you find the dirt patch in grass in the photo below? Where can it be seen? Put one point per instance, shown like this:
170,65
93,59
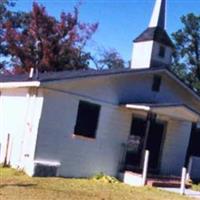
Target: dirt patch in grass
17,186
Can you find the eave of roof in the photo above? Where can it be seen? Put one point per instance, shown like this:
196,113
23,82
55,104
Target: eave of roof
64,75
95,73
182,83
20,84
147,106
166,109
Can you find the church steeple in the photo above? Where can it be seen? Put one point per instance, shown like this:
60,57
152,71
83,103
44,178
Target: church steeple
158,16
153,48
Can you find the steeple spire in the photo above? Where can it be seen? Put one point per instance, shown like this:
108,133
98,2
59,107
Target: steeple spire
158,16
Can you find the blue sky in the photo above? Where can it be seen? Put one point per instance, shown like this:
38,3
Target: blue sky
120,21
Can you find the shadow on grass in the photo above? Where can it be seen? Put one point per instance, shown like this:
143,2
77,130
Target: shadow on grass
18,185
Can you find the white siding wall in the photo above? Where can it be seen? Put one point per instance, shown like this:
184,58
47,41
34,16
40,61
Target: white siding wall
12,115
33,114
81,157
20,111
175,147
173,93
128,89
141,56
156,57
145,52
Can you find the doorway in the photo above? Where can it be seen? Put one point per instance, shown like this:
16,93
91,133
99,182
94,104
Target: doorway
135,144
193,147
140,139
154,144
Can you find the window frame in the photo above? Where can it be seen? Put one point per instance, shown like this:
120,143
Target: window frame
89,129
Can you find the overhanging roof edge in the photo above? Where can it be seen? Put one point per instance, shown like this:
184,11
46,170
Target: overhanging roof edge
6,85
152,107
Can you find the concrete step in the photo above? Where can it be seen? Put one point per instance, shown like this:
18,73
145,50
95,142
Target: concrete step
135,179
166,182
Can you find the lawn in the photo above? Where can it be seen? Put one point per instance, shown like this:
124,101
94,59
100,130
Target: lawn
196,187
15,185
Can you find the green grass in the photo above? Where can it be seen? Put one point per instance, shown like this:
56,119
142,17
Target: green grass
196,187
16,185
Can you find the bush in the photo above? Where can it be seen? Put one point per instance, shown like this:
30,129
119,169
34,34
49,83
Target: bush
104,178
196,186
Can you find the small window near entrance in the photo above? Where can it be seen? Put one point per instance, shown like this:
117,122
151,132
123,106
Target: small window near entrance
161,52
87,119
156,83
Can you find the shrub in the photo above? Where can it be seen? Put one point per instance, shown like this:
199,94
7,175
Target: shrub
105,178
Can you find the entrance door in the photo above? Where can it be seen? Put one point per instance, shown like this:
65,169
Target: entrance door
137,144
193,147
154,142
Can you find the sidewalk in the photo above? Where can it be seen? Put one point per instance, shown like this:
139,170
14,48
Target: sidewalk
188,192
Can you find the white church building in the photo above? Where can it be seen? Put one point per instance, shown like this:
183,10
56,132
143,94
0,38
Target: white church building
78,124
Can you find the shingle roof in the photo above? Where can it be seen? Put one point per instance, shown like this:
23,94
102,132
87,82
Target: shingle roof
13,78
52,76
65,75
156,34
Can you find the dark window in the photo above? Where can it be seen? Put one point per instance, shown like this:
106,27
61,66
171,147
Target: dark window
193,147
156,83
87,119
162,52
138,126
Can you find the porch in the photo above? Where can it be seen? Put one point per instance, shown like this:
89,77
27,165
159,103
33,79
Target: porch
136,179
164,130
